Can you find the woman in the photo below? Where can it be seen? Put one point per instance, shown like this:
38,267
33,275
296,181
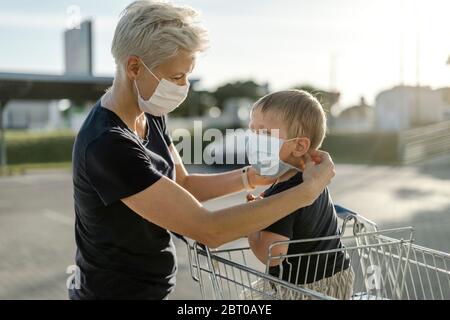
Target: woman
130,185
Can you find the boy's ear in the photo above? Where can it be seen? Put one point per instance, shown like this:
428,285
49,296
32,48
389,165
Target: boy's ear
301,147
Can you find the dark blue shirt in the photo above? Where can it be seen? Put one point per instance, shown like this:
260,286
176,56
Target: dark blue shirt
314,221
120,255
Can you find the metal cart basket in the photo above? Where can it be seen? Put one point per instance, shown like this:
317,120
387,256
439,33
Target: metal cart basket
384,264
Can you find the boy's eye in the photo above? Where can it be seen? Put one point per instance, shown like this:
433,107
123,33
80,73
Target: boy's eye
263,132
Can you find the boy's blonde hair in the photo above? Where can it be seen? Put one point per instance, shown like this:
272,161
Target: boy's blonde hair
300,111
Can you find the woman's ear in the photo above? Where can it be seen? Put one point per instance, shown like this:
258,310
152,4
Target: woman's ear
301,147
132,67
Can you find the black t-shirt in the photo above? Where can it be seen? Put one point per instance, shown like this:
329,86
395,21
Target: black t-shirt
120,255
314,221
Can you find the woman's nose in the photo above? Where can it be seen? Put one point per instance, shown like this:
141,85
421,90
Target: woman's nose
183,81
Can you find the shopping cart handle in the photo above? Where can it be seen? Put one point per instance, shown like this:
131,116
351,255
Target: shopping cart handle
344,213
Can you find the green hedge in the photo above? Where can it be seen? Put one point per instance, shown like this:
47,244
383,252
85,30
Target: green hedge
23,147
367,148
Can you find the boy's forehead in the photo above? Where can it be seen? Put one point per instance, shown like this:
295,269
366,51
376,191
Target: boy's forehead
265,120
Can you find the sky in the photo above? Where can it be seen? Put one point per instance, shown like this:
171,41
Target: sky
353,46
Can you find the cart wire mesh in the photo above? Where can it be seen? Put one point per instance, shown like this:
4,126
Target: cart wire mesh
384,264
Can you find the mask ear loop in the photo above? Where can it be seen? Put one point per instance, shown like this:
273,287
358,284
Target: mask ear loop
148,69
302,165
303,161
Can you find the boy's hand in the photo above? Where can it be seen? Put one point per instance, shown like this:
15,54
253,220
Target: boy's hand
251,197
256,180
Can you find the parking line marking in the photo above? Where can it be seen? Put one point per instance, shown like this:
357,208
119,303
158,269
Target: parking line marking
59,217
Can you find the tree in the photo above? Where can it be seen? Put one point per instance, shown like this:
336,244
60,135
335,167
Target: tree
197,103
239,89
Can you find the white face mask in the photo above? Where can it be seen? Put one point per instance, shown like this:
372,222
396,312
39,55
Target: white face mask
263,152
167,97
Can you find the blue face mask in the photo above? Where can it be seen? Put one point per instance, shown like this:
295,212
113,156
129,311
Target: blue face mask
263,153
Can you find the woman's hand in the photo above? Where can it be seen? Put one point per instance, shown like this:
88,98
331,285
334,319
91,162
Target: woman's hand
319,170
254,179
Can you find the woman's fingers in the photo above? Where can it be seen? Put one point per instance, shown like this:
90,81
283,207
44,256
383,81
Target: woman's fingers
321,170
327,165
308,160
317,156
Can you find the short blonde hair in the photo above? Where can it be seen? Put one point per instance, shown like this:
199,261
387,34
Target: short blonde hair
155,31
300,111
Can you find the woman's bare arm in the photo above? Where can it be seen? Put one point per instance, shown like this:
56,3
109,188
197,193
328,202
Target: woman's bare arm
174,208
209,186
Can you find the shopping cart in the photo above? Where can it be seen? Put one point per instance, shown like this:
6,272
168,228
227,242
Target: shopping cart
384,264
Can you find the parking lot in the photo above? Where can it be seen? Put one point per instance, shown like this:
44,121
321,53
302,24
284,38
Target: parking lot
37,236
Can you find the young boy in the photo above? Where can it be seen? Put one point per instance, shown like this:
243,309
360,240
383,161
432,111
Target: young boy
300,123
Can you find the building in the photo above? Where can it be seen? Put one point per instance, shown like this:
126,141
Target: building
405,107
30,101
359,118
35,115
445,92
